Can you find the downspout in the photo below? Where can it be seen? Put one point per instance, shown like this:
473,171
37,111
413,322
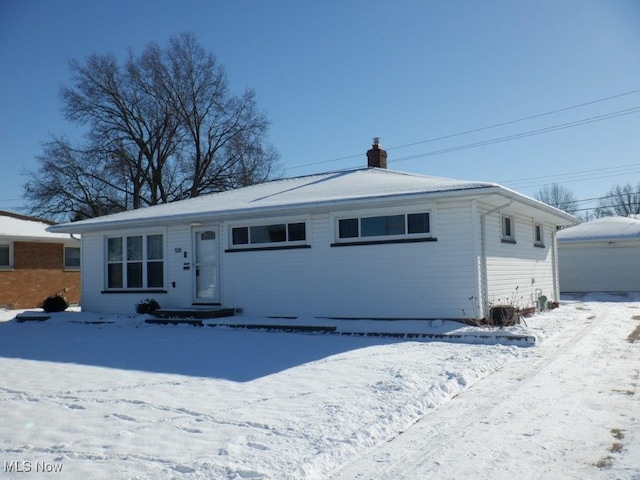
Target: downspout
484,290
475,245
554,266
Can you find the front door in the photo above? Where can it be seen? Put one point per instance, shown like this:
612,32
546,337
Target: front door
206,281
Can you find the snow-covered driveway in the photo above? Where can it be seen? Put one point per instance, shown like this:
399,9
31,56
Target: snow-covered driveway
571,410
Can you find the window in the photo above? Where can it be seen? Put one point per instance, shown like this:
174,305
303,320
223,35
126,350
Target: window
538,235
267,235
72,257
5,255
508,231
135,262
397,225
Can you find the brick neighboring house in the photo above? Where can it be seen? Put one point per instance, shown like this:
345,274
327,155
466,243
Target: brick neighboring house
35,264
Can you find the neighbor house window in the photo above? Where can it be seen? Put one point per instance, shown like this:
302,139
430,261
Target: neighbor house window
383,226
5,255
508,231
135,262
538,235
276,234
72,257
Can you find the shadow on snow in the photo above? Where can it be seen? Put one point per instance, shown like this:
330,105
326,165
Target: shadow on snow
239,356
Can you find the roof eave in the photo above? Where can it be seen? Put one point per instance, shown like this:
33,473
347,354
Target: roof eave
192,217
567,218
479,191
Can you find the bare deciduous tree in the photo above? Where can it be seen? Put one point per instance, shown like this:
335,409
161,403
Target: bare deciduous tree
622,201
558,196
162,127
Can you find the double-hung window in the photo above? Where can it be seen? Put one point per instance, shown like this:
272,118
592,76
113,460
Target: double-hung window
394,227
135,262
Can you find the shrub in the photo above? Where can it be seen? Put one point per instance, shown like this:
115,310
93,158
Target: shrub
504,315
148,305
55,303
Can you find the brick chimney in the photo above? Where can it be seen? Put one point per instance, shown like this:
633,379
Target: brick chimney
377,157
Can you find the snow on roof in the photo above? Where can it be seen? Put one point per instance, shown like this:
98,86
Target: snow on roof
297,192
20,226
602,229
324,188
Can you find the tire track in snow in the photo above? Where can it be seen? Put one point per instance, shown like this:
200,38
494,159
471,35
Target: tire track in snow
433,444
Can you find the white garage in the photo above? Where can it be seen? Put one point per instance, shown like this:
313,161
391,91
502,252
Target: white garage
600,256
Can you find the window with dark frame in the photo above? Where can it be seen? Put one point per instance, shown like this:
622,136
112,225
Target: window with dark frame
135,262
5,255
261,235
384,226
538,235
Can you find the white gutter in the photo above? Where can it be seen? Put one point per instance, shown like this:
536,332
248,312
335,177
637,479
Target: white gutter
484,290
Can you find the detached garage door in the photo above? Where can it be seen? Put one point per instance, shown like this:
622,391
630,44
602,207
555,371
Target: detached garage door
599,268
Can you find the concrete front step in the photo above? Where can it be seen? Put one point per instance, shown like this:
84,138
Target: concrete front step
192,313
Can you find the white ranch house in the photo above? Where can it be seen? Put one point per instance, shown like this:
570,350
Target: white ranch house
362,243
600,256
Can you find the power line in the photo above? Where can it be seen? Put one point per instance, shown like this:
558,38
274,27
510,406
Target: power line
553,128
603,197
556,175
475,130
584,209
578,178
531,117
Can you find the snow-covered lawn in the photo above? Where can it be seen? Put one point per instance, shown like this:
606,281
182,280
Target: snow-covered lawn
132,400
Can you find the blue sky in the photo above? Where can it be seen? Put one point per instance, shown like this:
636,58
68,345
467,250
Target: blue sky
331,75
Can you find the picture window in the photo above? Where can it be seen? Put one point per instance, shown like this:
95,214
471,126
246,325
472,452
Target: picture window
397,225
263,235
135,262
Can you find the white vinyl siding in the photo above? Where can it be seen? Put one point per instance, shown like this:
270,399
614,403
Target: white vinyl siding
436,277
432,279
518,273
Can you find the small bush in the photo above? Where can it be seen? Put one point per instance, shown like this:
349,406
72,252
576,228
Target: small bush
504,315
55,303
148,305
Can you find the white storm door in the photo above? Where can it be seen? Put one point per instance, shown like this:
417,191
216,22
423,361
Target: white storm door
206,271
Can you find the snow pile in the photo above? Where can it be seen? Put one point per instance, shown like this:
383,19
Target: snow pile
113,397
